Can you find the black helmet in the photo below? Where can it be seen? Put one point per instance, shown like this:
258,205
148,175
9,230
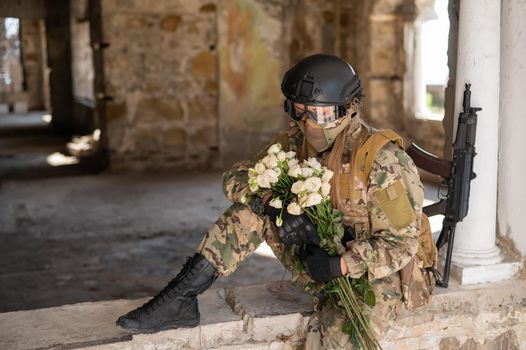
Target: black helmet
321,80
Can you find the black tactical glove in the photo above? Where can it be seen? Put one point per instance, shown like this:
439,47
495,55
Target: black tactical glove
319,265
272,212
297,229
348,235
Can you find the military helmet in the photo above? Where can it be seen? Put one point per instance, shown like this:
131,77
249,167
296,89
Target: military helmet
321,80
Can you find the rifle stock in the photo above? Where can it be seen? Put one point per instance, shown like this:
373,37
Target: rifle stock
438,208
429,162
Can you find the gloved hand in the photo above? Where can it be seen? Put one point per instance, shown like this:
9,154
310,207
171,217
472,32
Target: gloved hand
348,235
319,265
297,229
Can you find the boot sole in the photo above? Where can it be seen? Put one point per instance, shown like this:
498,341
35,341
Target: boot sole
166,326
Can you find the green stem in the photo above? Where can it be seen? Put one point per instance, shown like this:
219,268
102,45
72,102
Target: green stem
348,298
347,286
356,328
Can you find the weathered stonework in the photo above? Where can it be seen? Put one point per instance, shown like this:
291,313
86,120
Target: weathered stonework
251,62
274,316
161,70
213,69
33,62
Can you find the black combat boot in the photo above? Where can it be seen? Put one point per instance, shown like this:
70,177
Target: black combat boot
176,304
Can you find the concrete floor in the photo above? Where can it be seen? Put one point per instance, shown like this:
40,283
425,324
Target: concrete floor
109,236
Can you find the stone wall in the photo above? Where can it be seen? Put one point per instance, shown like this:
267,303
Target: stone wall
33,62
252,58
197,84
81,53
389,78
161,69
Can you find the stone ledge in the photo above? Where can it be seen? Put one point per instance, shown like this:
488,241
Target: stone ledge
274,316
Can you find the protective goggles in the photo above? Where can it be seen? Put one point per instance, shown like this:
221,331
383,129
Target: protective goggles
318,114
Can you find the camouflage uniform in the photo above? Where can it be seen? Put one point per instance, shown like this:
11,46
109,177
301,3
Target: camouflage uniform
386,218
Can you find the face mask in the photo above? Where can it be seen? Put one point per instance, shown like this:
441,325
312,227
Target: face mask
322,137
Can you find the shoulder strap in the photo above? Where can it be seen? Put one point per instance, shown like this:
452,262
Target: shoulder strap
366,154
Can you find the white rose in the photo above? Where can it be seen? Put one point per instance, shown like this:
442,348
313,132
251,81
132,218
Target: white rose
271,175
325,189
297,187
290,155
307,172
274,149
263,181
277,170
292,162
281,155
313,163
314,199
260,168
327,175
312,184
276,203
303,200
294,209
270,161
295,171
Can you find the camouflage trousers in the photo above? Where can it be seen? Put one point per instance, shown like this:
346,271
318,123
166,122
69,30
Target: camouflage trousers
239,231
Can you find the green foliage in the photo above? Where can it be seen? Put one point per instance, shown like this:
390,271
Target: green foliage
347,327
370,298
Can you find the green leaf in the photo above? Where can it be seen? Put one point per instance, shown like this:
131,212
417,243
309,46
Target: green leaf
347,327
370,298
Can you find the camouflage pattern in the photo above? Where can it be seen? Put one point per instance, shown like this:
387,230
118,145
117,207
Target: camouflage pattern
236,234
235,182
386,215
328,320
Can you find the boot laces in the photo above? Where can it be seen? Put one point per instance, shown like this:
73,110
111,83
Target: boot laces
171,288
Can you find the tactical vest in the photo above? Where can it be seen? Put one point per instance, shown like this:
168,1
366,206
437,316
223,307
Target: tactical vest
417,281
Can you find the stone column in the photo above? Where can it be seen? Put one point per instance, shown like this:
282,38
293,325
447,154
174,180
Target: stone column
512,163
475,255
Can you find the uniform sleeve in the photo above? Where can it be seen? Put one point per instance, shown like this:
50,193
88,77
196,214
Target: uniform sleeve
235,182
394,203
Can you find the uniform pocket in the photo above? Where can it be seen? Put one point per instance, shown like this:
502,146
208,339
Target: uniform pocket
395,204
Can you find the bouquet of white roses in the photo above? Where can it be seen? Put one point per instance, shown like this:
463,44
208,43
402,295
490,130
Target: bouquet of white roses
304,188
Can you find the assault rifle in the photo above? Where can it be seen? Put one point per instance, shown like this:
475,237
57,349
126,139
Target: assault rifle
456,174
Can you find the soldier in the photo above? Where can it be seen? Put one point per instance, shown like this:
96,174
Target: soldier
375,185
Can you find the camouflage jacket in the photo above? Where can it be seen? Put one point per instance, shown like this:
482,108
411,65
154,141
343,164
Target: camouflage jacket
386,213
